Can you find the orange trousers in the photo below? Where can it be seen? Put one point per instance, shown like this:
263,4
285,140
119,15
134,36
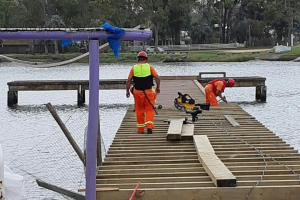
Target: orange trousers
210,97
143,107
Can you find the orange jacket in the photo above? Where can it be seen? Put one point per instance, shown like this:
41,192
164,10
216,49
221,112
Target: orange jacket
214,87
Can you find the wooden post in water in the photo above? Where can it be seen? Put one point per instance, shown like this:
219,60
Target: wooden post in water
261,93
66,132
80,96
12,98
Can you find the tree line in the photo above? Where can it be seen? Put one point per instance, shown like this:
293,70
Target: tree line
258,22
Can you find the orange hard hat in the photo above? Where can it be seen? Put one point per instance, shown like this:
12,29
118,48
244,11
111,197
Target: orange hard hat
231,82
143,54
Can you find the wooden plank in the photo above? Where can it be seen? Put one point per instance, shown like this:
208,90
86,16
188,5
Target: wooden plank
202,144
101,189
187,131
221,73
199,86
249,81
218,172
215,168
60,190
174,131
232,121
257,193
192,179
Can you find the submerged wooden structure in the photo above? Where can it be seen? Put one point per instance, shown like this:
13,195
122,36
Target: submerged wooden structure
262,164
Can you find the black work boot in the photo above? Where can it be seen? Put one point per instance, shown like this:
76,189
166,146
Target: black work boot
149,130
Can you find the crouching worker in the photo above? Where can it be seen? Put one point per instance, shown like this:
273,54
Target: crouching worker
216,88
144,95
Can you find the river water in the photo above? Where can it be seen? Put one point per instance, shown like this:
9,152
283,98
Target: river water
35,147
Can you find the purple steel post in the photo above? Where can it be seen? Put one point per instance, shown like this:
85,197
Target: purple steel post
91,146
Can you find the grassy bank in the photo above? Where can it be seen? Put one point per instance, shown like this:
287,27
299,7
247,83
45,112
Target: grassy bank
232,55
287,56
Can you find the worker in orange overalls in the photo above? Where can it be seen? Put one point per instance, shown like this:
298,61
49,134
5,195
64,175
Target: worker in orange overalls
144,95
216,88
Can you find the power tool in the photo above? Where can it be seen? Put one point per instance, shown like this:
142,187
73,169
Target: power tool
186,102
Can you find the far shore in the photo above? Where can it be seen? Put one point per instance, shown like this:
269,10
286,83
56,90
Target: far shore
228,55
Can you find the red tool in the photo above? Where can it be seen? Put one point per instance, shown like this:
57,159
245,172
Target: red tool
133,194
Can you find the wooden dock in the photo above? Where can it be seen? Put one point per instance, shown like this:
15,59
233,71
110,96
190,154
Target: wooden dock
263,165
115,84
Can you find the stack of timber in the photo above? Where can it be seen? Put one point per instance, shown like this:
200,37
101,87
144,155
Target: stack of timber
265,167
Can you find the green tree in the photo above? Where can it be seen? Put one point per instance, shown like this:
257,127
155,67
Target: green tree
224,10
4,14
157,10
54,22
178,12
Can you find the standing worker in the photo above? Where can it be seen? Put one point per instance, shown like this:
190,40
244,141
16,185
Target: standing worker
216,88
144,95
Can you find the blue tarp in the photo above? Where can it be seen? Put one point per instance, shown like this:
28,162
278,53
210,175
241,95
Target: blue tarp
113,40
65,43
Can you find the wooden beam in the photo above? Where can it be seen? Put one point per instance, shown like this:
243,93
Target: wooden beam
199,86
101,189
249,81
174,131
232,121
187,131
219,73
214,167
60,190
257,193
66,132
202,144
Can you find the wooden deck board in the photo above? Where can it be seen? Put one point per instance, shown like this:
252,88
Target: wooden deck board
218,172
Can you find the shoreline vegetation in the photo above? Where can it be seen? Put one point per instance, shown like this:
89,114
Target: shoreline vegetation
232,55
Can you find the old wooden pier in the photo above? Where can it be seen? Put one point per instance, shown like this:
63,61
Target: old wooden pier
226,154
82,85
225,147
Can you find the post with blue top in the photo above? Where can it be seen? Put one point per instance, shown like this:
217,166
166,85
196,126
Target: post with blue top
91,145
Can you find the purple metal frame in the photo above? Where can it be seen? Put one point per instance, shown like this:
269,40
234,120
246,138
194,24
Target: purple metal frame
84,35
91,143
94,36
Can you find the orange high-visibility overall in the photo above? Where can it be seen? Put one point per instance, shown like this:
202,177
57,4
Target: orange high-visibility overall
142,75
143,106
211,89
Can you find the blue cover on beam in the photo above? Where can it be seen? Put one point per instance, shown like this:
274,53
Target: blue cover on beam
65,43
113,40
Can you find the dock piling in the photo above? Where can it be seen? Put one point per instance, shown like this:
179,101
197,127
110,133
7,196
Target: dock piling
261,93
80,96
12,98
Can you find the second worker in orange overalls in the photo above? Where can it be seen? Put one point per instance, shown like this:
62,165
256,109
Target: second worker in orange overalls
144,95
215,88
